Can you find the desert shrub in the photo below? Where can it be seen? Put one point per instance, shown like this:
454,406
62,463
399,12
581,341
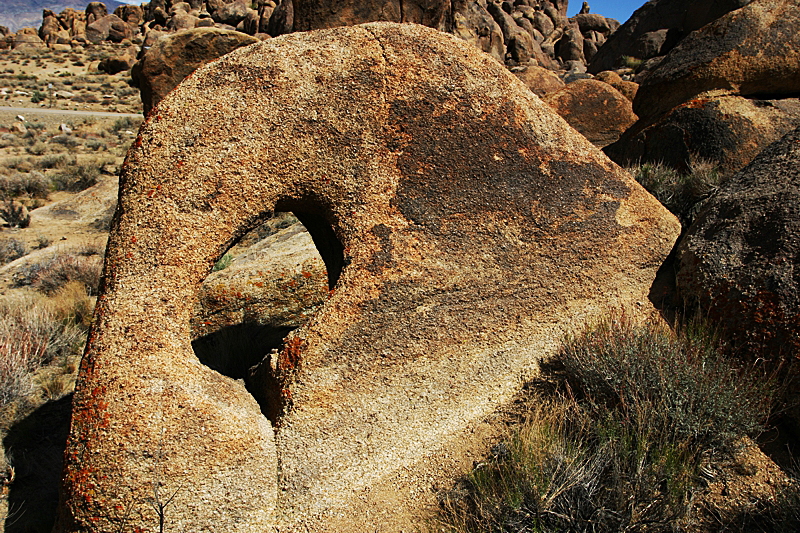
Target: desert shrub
74,304
15,214
96,145
77,178
50,275
38,96
30,335
9,139
20,164
126,123
42,242
38,148
619,445
632,62
65,140
681,193
55,161
33,183
88,98
11,249
682,382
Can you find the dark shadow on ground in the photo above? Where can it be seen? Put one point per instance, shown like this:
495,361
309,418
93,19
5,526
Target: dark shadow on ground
35,449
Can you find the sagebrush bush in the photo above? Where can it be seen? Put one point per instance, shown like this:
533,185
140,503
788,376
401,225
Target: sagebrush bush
77,178
619,444
681,382
15,214
56,161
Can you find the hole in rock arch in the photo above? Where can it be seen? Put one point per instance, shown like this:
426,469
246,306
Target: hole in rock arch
266,285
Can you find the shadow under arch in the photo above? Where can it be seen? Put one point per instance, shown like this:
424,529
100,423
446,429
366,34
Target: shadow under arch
245,351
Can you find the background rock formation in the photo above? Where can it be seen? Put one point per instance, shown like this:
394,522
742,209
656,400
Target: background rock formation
464,227
176,56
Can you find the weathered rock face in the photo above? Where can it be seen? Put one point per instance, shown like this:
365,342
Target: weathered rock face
753,50
727,130
674,18
120,62
316,14
463,224
172,58
95,11
278,283
594,108
740,260
281,20
111,28
476,26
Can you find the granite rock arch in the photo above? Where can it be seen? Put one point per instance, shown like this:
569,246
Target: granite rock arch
475,227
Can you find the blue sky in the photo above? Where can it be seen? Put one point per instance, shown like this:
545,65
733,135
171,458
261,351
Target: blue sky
616,9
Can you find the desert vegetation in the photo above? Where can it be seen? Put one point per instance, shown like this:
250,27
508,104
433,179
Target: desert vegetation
629,429
67,79
680,191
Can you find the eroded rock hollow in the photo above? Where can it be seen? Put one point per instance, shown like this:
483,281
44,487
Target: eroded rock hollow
467,225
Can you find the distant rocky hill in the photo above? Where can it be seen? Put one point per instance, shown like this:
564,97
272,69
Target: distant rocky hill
15,14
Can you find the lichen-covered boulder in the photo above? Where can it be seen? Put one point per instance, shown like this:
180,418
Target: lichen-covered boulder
464,227
740,260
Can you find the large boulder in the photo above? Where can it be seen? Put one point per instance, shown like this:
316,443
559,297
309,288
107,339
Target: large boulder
131,14
726,130
170,59
539,80
27,39
109,28
231,13
464,227
753,50
281,20
119,62
676,17
594,108
740,260
50,27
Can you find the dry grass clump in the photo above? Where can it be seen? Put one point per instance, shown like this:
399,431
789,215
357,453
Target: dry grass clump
620,444
32,334
681,193
11,249
62,268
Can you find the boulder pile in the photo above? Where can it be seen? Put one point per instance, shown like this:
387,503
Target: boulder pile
724,92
